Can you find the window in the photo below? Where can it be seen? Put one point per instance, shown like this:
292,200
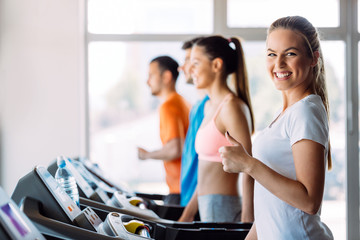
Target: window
155,16
333,209
259,13
123,114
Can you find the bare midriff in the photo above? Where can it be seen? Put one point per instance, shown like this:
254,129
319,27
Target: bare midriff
212,179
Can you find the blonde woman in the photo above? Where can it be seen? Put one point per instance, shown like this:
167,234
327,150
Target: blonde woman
290,155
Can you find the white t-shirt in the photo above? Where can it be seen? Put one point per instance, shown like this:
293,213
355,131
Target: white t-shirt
275,219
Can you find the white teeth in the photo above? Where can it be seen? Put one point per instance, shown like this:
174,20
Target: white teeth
282,75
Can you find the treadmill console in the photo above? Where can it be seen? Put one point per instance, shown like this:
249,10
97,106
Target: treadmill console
67,205
16,224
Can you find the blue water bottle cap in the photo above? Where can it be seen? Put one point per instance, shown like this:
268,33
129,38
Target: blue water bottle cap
61,162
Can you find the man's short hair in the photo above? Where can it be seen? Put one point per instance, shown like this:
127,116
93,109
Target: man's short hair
189,44
167,63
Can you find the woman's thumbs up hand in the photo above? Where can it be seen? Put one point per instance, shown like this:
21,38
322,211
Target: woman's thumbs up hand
234,158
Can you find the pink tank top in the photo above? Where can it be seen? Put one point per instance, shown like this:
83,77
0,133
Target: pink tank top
209,139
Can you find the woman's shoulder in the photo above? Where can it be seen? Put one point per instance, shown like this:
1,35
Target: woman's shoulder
308,108
233,101
308,120
235,104
310,104
235,108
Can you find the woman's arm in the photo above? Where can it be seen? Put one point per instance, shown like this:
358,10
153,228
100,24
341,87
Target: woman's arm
304,193
190,210
247,213
252,233
236,118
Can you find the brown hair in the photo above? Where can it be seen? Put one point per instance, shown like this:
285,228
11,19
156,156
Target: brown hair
190,43
312,43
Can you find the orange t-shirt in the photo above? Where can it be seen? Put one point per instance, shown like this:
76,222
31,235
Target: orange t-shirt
174,122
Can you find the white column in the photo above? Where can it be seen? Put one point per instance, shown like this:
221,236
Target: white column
41,72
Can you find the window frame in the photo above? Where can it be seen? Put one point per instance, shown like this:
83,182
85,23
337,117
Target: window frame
347,32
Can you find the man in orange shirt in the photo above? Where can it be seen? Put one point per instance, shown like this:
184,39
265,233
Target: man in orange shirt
174,122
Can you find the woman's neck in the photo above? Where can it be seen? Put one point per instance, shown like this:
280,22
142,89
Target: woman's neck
218,90
294,95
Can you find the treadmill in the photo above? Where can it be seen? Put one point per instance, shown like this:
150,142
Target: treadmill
50,208
103,189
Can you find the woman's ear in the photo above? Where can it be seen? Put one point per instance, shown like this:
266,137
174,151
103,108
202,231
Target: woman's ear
217,64
315,58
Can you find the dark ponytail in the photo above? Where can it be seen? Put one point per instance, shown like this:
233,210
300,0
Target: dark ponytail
240,78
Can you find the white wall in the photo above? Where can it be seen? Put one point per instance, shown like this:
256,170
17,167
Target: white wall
41,73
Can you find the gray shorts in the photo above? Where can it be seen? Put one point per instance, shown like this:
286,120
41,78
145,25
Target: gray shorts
219,208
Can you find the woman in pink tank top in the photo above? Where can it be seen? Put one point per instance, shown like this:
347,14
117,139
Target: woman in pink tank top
216,197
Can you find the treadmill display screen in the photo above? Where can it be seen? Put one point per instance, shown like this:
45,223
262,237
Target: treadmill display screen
15,224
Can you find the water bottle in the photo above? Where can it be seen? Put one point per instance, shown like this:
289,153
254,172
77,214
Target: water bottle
66,180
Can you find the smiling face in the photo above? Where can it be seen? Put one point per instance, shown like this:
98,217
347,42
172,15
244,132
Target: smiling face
287,60
201,68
